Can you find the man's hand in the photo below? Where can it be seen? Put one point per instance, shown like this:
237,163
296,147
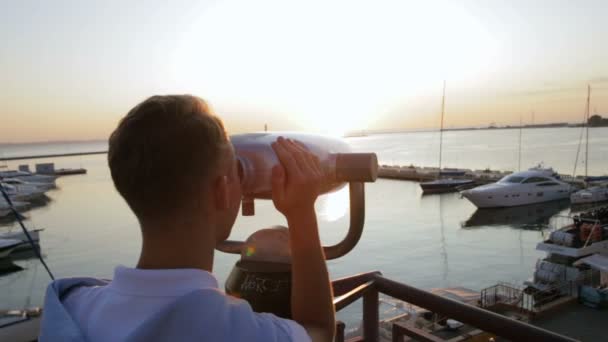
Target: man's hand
296,184
296,181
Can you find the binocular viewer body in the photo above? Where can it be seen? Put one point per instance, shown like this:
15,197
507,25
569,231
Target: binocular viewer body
257,158
265,281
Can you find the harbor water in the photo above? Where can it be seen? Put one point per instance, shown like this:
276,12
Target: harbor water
426,241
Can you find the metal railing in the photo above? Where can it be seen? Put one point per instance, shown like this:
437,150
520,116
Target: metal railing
501,293
533,303
368,286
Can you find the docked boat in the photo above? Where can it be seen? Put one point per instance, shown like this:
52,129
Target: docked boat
564,268
5,209
536,185
442,185
20,324
595,188
7,246
20,182
448,180
28,176
574,269
23,192
20,235
594,194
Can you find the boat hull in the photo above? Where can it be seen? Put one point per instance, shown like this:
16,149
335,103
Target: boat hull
533,199
7,246
504,194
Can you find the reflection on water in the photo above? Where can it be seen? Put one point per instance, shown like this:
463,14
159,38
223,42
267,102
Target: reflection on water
333,206
577,208
7,266
534,216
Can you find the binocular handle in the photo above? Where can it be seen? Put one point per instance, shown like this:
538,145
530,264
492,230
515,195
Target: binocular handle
357,219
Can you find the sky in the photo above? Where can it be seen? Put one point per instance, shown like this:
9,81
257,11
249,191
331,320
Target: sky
69,70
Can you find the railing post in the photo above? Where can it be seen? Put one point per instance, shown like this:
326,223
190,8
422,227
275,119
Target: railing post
396,333
339,332
370,316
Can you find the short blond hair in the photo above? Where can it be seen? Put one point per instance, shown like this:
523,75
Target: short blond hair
162,153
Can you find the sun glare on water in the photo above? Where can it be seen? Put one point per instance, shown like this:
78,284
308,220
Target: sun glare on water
330,66
334,206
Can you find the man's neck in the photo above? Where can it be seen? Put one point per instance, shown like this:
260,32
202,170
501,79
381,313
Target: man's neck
177,246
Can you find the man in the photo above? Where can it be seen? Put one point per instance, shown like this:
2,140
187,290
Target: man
172,162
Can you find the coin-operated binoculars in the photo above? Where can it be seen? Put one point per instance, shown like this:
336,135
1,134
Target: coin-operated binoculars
263,274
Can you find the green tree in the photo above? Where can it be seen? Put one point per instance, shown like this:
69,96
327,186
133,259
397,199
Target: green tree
597,121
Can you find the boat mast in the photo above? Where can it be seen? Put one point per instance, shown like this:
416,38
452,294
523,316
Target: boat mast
441,128
519,154
580,139
587,131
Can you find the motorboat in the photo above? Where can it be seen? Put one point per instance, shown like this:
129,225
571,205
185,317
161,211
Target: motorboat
28,176
593,194
444,185
23,192
596,187
20,324
582,236
536,185
20,182
7,246
5,209
20,235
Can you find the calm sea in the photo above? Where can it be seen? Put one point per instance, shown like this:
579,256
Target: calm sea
427,241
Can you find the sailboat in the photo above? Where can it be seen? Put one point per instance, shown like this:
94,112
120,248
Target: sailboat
597,187
443,183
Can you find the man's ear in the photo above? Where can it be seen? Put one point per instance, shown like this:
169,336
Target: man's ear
220,193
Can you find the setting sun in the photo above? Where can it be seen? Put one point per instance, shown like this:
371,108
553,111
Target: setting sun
333,70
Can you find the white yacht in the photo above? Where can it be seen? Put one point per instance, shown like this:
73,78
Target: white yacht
520,188
594,194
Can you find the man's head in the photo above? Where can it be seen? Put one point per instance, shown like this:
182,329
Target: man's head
171,159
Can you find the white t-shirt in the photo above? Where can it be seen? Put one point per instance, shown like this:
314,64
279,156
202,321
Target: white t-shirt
113,312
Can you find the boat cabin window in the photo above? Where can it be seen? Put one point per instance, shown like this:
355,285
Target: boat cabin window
512,179
536,180
547,184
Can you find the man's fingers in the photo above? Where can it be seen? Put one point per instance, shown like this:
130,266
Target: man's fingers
300,145
298,155
278,183
302,156
285,157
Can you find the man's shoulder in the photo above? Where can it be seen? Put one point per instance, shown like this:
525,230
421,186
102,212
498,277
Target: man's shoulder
208,312
226,318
